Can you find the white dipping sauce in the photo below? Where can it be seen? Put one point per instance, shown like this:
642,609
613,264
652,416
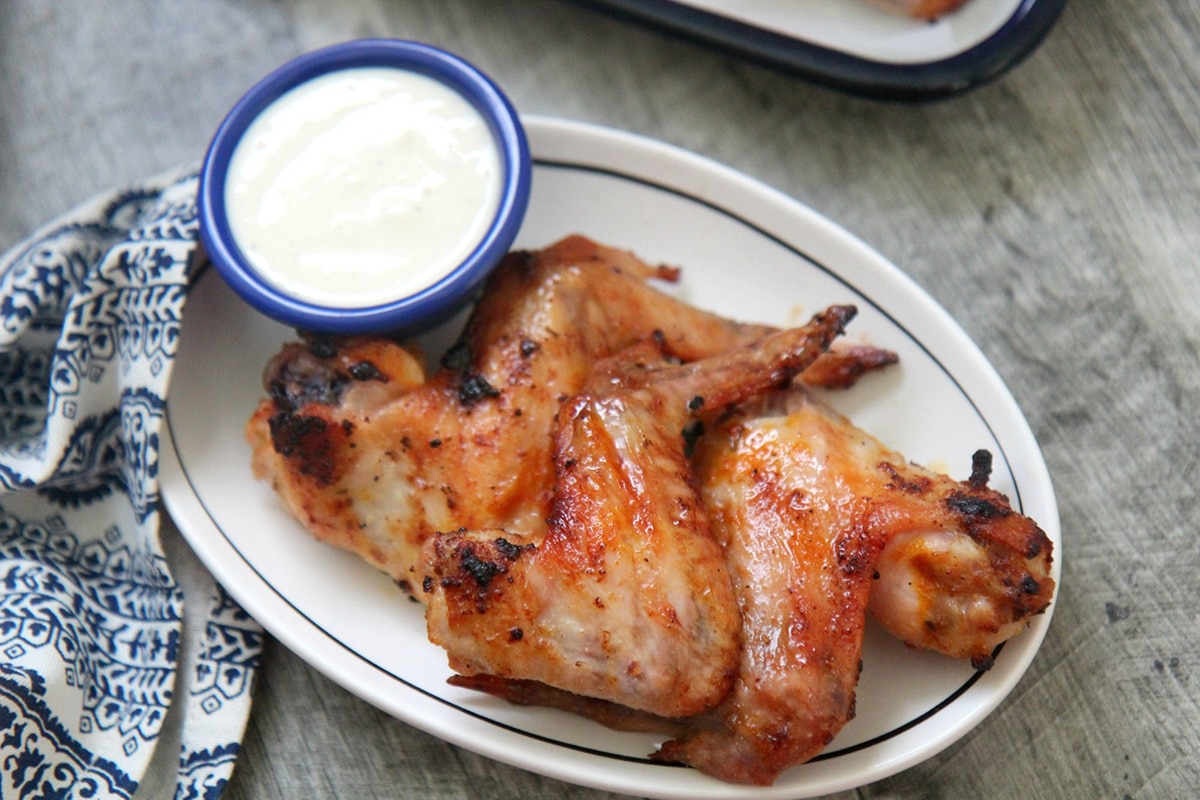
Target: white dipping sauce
362,186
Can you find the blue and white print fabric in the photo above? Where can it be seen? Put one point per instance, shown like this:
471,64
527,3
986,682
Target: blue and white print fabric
92,645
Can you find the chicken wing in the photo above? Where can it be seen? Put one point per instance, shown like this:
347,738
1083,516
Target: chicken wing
967,582
590,563
801,543
818,521
626,596
371,456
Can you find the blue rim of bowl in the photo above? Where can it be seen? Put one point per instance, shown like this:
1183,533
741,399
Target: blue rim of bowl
427,306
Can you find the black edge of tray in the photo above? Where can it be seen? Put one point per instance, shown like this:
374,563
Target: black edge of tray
1014,40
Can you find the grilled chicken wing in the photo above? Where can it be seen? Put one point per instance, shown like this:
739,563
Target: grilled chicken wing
373,457
801,541
969,580
549,441
819,521
960,571
626,596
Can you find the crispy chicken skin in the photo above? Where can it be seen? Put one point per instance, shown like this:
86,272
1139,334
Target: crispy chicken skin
626,596
818,521
960,571
801,547
805,504
373,457
615,503
971,579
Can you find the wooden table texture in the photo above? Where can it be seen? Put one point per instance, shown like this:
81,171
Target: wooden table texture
1055,213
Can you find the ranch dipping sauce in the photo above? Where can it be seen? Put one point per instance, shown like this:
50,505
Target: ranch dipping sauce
363,186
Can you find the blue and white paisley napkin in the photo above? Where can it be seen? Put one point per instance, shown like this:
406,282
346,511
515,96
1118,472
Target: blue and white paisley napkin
105,683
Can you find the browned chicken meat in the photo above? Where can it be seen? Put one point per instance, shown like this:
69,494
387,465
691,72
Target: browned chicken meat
804,504
625,596
372,456
967,582
818,521
539,489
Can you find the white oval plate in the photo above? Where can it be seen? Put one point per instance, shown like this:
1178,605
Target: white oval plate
748,252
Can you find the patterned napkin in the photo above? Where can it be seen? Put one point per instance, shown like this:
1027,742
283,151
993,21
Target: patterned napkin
108,689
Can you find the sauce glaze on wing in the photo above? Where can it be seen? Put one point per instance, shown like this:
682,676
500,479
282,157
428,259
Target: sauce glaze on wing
372,457
625,595
819,521
503,465
805,504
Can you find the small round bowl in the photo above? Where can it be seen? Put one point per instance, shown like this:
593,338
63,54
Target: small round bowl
426,306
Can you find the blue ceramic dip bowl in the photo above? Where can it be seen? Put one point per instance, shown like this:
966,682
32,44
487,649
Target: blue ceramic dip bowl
422,306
